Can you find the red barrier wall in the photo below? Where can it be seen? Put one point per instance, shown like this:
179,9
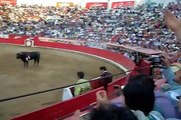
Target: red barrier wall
61,109
118,58
65,108
17,40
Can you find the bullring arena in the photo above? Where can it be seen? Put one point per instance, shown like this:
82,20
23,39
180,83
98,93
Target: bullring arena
57,68
128,37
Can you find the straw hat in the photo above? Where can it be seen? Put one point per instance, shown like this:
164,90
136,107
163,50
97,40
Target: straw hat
175,67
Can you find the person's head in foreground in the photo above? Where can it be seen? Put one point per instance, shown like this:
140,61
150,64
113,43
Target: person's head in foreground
139,95
111,112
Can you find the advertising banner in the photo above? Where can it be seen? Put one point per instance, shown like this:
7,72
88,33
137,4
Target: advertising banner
4,36
122,4
61,40
11,2
63,4
96,4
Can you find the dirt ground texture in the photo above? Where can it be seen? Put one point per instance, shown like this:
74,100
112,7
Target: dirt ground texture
57,68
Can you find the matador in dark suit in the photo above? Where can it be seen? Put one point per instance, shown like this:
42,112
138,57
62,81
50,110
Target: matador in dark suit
105,77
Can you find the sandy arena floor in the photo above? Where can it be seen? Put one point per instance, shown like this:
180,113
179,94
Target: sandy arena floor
57,68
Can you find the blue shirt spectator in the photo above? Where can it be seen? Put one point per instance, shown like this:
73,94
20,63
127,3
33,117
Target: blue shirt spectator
170,76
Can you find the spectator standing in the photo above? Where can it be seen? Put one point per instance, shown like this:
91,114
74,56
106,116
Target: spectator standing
139,96
173,79
162,103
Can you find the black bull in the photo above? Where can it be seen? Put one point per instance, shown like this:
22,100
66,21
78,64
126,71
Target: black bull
26,56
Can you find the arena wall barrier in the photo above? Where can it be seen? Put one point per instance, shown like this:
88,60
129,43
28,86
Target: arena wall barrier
13,39
63,109
118,58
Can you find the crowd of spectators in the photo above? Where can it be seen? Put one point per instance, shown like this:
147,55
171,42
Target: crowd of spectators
141,95
142,25
141,99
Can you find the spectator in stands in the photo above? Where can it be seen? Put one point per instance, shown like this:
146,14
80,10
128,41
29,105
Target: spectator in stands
139,96
105,77
127,54
102,98
138,26
81,88
173,79
104,110
162,103
111,112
